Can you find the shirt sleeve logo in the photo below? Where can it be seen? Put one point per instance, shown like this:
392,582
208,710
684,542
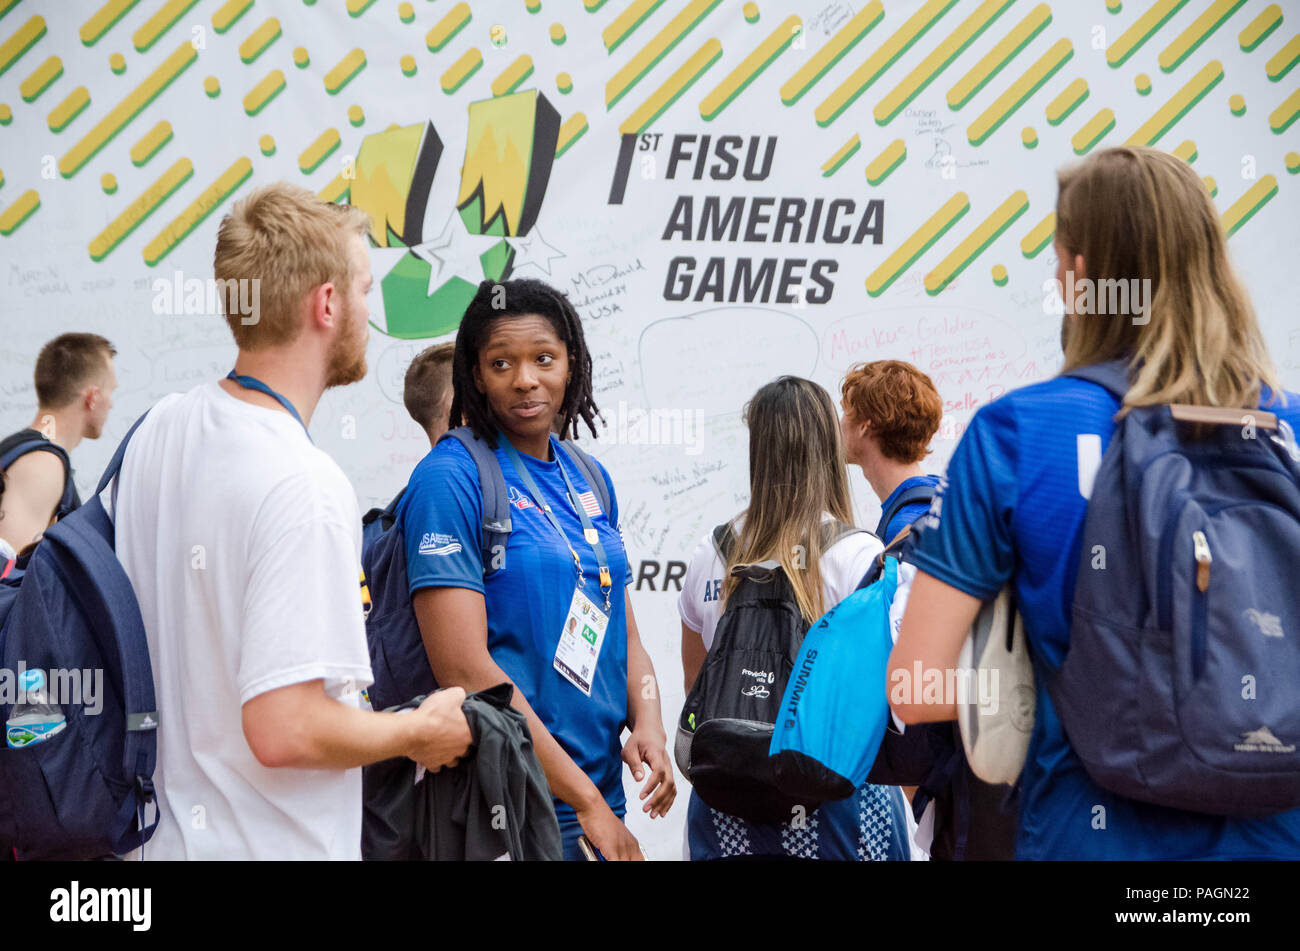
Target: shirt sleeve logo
438,543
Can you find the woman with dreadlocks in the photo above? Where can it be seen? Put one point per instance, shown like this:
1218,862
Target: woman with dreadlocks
521,374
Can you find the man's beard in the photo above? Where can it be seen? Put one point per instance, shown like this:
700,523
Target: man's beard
347,356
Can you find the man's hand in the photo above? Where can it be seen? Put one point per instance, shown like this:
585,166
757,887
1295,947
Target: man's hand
609,835
441,732
649,747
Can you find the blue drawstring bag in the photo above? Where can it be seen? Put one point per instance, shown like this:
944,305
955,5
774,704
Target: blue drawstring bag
835,709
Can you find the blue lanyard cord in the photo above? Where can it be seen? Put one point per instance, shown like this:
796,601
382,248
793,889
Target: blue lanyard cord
588,530
253,383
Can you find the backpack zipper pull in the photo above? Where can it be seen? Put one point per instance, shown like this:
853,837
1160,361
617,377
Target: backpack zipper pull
1201,546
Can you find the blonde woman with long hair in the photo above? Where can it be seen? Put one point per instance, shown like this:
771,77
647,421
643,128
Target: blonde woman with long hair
1012,510
799,515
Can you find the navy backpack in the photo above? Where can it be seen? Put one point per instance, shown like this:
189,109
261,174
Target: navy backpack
397,657
84,792
1180,686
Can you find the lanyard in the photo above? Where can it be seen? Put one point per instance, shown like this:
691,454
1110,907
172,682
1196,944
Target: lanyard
253,383
588,530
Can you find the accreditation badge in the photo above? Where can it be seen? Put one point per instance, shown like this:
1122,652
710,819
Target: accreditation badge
581,639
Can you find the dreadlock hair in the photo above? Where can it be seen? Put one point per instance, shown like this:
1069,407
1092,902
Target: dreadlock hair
496,301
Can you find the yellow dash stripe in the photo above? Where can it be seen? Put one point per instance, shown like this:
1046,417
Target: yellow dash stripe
672,88
1165,116
469,61
997,57
876,63
1283,59
41,76
229,12
1142,27
336,189
1006,103
1256,28
102,19
573,127
749,67
138,210
933,64
65,111
445,28
1038,235
512,76
893,152
626,22
127,109
160,23
16,45
1069,97
151,142
344,69
258,39
1249,203
20,209
974,242
1186,151
1196,32
1211,185
1091,130
845,37
1285,114
197,210
842,153
257,97
938,223
324,143
663,41
5,7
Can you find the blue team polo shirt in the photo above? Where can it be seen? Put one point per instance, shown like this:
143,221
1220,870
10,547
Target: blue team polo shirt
908,513
527,600
1010,509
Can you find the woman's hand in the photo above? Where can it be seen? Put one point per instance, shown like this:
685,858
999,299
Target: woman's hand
608,834
649,746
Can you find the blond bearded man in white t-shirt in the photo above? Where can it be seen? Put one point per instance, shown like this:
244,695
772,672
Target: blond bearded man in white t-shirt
243,540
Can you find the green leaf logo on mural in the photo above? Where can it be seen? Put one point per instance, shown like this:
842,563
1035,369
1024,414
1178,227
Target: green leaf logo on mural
509,150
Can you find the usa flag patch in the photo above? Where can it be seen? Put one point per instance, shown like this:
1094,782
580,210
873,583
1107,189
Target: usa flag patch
589,503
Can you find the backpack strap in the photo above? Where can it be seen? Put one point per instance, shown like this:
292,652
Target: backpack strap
909,496
115,464
496,526
387,514
724,540
93,531
38,443
1111,376
591,472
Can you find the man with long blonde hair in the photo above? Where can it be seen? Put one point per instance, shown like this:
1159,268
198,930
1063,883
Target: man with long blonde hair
1017,488
242,541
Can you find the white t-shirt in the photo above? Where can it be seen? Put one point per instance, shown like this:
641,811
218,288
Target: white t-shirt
243,543
842,567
